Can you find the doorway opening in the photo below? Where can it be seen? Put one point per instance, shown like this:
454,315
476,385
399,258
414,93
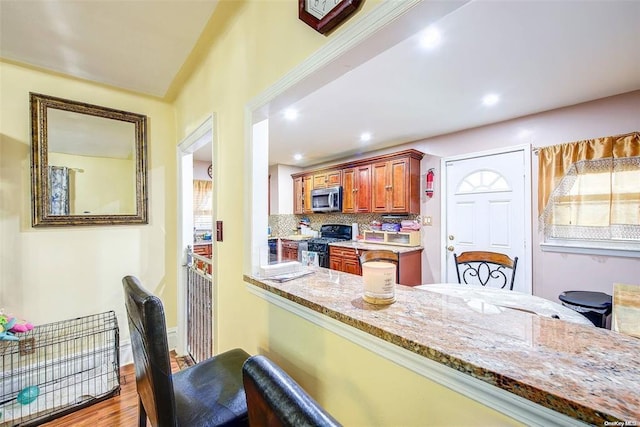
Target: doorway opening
196,246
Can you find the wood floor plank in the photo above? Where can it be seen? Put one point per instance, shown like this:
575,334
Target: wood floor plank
117,411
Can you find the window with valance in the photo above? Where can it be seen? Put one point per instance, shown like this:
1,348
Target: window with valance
589,192
202,204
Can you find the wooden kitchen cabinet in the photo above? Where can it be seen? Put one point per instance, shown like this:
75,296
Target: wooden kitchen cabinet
395,186
409,263
327,179
345,260
307,186
205,250
289,250
356,194
298,196
389,183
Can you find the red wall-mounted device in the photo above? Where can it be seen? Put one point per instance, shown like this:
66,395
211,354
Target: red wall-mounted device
428,188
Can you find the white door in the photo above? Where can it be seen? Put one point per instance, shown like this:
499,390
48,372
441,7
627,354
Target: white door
488,209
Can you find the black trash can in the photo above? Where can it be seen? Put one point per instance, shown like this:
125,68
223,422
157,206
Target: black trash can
595,306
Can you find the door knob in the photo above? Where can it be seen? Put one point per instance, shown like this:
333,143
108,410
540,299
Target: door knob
450,248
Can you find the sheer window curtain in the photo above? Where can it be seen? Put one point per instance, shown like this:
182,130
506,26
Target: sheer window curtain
202,204
591,189
59,190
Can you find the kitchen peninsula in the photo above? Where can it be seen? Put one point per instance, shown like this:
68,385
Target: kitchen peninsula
572,372
344,257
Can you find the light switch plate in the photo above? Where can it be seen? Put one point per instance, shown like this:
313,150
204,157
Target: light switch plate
426,220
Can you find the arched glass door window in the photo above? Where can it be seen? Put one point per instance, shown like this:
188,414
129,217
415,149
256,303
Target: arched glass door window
483,181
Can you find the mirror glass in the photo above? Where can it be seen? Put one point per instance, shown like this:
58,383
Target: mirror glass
88,164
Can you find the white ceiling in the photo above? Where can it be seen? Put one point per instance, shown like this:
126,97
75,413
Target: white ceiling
537,55
134,45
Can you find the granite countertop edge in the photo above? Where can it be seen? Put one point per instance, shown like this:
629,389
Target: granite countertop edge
571,408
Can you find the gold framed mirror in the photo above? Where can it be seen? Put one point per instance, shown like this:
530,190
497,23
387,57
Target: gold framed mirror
88,164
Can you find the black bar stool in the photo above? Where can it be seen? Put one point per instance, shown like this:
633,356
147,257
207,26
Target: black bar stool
595,306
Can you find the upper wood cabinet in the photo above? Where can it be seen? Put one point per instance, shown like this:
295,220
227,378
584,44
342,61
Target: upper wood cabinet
388,183
356,189
327,179
396,186
298,196
302,186
307,186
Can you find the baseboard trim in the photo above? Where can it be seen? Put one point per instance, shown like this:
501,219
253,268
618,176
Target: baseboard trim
126,354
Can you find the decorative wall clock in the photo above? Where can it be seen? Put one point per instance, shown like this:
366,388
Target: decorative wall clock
325,15
210,171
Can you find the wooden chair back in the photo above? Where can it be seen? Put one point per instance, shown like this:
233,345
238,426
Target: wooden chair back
381,256
485,268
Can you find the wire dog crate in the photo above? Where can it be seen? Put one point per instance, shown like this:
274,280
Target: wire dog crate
58,368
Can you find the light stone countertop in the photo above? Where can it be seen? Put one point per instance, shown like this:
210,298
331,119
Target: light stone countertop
202,242
584,372
493,301
359,244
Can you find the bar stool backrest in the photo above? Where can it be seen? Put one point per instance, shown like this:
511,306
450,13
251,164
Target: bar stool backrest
490,269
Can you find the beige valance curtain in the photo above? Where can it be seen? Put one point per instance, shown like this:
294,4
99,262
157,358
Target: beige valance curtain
589,184
556,160
202,203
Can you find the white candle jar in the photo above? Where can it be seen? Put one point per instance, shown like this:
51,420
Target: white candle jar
379,282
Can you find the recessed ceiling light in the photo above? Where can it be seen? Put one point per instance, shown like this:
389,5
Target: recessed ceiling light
290,114
431,38
365,136
297,156
490,99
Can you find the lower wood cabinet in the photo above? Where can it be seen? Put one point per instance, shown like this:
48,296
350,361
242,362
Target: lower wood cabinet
344,259
289,250
206,251
409,264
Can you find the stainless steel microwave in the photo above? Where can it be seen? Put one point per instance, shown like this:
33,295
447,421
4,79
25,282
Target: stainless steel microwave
326,199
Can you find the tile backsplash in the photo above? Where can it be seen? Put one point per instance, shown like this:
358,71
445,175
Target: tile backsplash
284,225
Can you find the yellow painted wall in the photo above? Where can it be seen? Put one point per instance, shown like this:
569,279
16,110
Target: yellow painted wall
250,45
49,274
101,186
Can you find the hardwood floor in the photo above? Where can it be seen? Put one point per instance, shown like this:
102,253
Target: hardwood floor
118,411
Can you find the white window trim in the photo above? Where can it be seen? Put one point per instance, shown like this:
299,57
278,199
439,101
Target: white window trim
628,250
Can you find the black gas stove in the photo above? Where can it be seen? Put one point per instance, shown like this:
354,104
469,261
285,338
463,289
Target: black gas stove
329,233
